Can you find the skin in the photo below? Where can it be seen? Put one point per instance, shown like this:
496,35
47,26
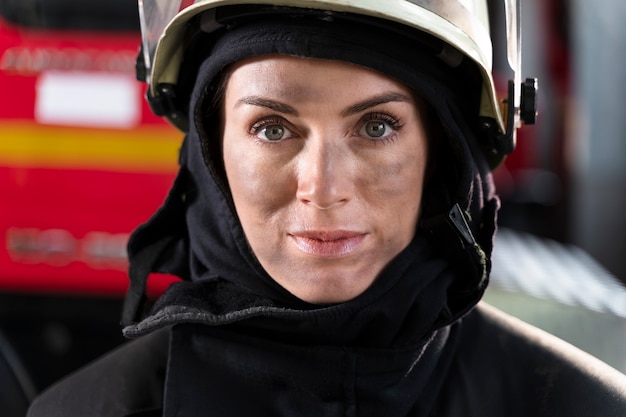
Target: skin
325,161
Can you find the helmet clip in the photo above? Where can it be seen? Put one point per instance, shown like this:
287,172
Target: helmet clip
166,103
501,144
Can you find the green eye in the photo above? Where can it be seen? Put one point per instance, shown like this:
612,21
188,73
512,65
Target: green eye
274,132
271,130
375,129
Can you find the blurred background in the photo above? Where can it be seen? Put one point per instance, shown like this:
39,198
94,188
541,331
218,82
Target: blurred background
83,162
560,256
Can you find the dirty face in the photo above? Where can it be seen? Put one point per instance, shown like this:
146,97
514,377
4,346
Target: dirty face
325,161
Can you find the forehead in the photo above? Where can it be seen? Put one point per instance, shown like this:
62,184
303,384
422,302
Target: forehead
304,78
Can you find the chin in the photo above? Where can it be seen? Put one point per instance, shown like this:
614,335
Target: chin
331,292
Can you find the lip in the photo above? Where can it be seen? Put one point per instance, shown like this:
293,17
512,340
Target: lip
328,244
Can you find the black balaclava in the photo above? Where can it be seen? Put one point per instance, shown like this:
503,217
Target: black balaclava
197,236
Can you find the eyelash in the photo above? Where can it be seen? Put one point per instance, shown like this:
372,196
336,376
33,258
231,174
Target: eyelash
263,123
392,121
385,117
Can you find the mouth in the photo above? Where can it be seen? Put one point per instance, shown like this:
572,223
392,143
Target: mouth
328,244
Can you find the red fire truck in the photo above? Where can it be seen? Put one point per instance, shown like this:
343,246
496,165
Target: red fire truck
82,162
82,159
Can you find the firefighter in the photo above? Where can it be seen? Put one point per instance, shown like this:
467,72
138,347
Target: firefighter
332,224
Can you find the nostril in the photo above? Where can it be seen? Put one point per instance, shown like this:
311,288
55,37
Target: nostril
324,205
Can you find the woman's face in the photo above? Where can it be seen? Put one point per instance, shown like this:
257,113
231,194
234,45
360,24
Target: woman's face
325,161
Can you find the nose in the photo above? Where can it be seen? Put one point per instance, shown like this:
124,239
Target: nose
324,179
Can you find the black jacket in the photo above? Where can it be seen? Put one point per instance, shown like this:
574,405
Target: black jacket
487,364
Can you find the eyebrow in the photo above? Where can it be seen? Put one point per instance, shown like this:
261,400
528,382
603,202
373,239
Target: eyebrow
354,109
270,104
375,101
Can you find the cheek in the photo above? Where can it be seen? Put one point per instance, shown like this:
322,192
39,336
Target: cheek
395,198
258,186
401,202
398,179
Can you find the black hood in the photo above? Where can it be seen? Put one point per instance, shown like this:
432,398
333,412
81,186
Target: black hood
197,236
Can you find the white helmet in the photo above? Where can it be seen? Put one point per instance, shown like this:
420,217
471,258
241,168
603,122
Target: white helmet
462,25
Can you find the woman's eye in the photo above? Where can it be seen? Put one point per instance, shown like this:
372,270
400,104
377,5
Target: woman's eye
379,125
271,131
375,129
